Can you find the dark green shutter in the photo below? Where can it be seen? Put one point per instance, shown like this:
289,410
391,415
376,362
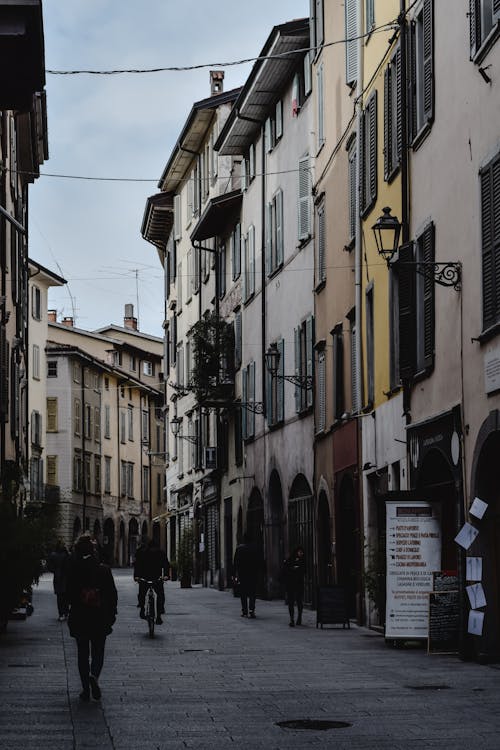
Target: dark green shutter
397,70
4,375
372,125
412,83
428,256
407,312
489,311
309,357
474,26
362,161
387,123
428,29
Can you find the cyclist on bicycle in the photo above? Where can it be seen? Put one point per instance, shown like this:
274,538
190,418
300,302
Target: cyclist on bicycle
151,564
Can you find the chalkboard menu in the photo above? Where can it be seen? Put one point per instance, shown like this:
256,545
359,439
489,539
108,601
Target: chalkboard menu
331,606
445,580
444,620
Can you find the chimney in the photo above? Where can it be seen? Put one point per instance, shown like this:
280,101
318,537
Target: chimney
216,82
67,321
129,321
52,316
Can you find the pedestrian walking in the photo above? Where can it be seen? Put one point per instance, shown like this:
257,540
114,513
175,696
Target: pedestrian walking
248,565
294,571
151,564
58,563
92,600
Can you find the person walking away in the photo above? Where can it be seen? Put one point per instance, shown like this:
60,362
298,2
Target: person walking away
294,574
58,563
248,565
152,564
92,601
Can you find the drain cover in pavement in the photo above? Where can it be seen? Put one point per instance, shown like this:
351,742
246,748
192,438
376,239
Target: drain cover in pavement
196,650
428,687
312,724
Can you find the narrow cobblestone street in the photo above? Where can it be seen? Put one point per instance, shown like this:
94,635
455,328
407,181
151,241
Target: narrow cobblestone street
210,679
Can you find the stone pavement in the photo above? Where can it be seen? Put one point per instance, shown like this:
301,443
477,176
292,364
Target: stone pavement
211,679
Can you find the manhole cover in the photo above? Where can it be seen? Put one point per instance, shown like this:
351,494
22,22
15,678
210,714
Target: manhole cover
196,650
428,687
312,724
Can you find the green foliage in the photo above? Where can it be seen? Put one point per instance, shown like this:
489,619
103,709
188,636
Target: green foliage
185,552
212,374
24,541
374,577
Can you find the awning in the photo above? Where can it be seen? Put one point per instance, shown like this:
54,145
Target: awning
220,213
158,219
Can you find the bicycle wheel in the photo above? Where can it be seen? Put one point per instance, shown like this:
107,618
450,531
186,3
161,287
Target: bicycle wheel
151,615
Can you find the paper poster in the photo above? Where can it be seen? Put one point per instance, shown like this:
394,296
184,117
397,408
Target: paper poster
475,592
476,620
474,568
466,535
478,508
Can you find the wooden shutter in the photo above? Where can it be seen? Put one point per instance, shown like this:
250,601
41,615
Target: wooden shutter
338,366
279,228
412,83
362,162
304,199
280,385
490,236
372,135
496,11
251,261
298,400
387,123
244,398
474,26
321,391
269,235
251,414
397,108
321,275
407,313
428,256
351,47
52,470
355,394
52,415
428,34
309,357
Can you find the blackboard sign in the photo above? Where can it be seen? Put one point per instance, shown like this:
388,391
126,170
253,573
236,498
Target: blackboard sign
331,606
445,580
444,620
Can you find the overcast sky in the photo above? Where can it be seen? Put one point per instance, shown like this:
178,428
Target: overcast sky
125,126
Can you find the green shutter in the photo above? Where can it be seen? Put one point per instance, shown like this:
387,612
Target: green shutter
372,134
298,401
428,29
407,312
280,410
428,254
309,357
387,123
279,228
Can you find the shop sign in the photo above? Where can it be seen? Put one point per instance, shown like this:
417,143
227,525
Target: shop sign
413,554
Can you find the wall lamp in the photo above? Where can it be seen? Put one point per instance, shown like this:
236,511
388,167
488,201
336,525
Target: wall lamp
175,425
273,356
387,229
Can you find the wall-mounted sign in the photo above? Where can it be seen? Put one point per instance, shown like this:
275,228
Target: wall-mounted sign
413,554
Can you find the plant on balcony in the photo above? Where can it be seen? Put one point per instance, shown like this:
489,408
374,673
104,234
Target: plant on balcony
212,375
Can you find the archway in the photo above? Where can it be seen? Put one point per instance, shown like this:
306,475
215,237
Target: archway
300,529
77,528
133,534
144,530
324,541
348,543
108,542
276,546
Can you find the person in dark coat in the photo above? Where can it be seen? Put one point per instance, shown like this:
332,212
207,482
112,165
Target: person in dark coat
151,564
92,601
294,574
248,565
57,563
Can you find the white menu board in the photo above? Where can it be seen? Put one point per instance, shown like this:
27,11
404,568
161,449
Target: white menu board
413,553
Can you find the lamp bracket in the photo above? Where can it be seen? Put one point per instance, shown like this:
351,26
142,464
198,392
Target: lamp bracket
300,381
257,407
444,274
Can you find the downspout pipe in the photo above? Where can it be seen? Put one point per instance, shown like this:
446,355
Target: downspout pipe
359,225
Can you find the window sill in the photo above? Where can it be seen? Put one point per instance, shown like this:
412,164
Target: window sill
303,241
421,135
275,426
487,44
249,299
488,333
319,287
366,211
275,271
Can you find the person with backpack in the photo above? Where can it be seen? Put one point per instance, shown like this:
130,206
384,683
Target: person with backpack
92,599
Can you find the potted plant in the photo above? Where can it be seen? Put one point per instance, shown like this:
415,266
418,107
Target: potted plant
185,558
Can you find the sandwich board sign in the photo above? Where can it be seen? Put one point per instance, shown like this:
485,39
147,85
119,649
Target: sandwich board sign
413,554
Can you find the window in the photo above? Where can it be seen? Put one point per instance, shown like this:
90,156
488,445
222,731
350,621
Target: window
97,474
249,264
145,484
77,473
392,116
52,475
130,479
352,194
77,373
351,47
123,426
123,478
248,167
304,362
180,365
304,207
321,381
97,424
36,305
238,437
177,217
145,426
355,382
317,23
36,428
52,369
320,244
274,233
369,15
484,17
370,345
490,241
107,474
132,363
88,422
421,104
130,412
106,384
278,119
221,269
236,251
248,397
51,414
147,368
107,421
368,186
338,373
237,340
77,416
273,127
321,108
36,362
416,305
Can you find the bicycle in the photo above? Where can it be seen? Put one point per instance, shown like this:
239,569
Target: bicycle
150,609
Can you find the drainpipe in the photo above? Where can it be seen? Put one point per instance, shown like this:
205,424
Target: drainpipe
359,227
84,486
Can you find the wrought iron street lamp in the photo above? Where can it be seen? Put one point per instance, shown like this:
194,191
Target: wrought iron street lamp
273,356
387,229
175,424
